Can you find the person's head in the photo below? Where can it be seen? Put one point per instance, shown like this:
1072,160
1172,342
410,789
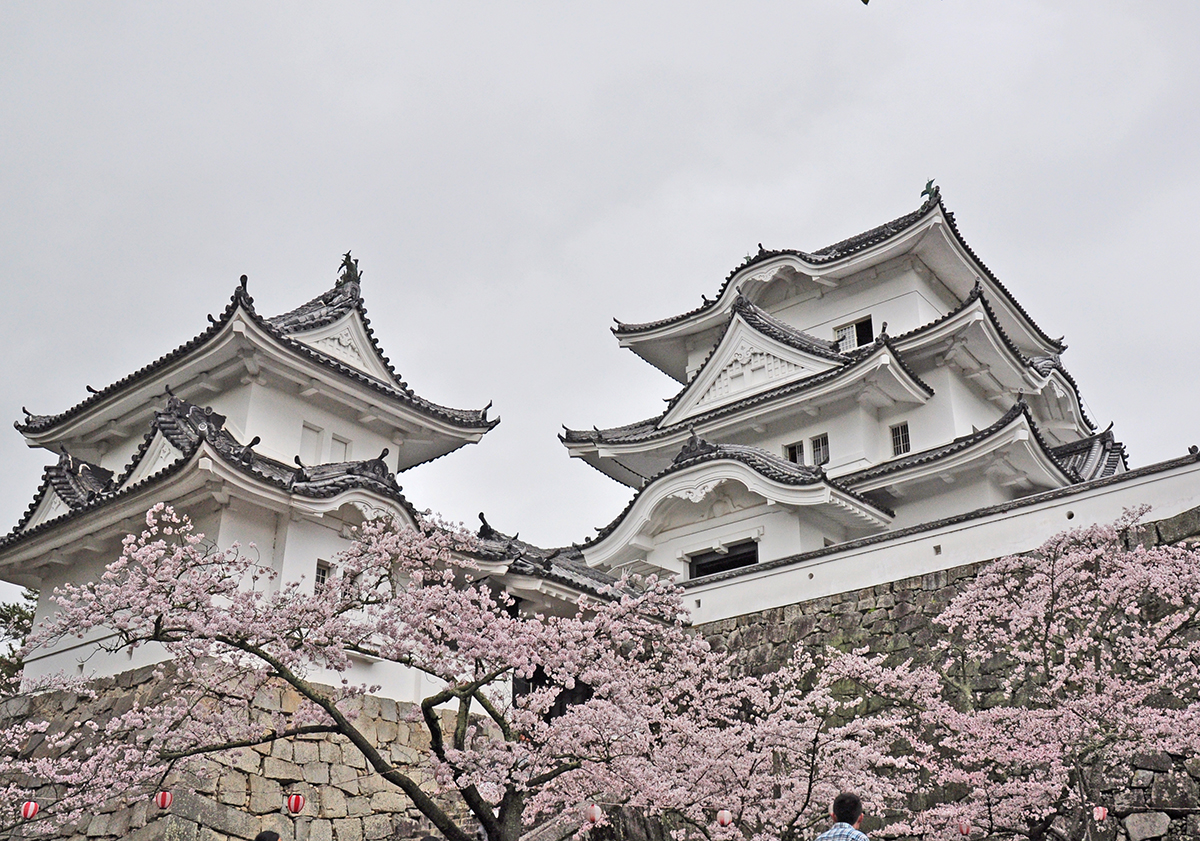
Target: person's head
267,835
847,808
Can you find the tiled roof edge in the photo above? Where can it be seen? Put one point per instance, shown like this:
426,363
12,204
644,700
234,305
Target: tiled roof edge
463,418
779,391
979,513
727,452
822,255
40,423
16,535
1055,343
936,453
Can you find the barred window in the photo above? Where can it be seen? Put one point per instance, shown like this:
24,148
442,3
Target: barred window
900,442
820,449
321,577
795,452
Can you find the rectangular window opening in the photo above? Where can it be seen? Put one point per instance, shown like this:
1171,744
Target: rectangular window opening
734,557
310,444
339,449
900,442
322,576
820,449
855,334
795,452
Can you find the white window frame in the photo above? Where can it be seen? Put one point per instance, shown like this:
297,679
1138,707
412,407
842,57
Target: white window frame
798,447
846,335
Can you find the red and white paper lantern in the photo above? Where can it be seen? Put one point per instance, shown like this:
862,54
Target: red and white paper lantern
1100,813
295,803
163,799
593,813
28,809
964,828
724,817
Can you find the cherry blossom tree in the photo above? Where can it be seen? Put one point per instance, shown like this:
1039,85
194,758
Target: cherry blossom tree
16,619
657,722
1062,664
821,725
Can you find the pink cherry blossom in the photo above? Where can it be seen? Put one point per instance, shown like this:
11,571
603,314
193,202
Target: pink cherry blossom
662,726
1059,666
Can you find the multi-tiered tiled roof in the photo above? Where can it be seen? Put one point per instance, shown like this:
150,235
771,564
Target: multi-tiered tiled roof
285,330
756,380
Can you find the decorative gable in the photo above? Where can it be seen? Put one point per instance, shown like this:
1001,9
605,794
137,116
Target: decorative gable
347,342
750,366
160,455
50,508
342,346
744,363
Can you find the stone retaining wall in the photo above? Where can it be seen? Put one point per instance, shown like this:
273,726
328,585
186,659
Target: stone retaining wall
1160,801
243,792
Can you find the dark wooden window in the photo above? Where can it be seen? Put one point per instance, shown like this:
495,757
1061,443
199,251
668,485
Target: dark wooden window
736,556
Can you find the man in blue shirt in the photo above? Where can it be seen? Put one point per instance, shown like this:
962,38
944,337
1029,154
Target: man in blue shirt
848,815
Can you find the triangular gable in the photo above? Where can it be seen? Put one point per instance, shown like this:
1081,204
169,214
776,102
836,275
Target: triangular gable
158,456
347,341
51,507
745,362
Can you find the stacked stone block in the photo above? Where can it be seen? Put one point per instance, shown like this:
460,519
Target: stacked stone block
237,794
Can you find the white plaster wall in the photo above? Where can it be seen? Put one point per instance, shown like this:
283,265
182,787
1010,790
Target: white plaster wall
80,657
800,427
954,410
853,430
901,297
936,499
252,529
118,458
309,541
779,531
277,417
978,539
972,411
232,403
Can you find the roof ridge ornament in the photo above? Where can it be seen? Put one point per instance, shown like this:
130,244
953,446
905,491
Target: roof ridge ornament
486,532
934,193
240,294
246,454
694,447
349,272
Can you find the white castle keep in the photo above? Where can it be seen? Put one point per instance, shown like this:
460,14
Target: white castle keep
877,409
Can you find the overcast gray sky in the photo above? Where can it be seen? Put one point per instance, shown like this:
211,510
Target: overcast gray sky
513,175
